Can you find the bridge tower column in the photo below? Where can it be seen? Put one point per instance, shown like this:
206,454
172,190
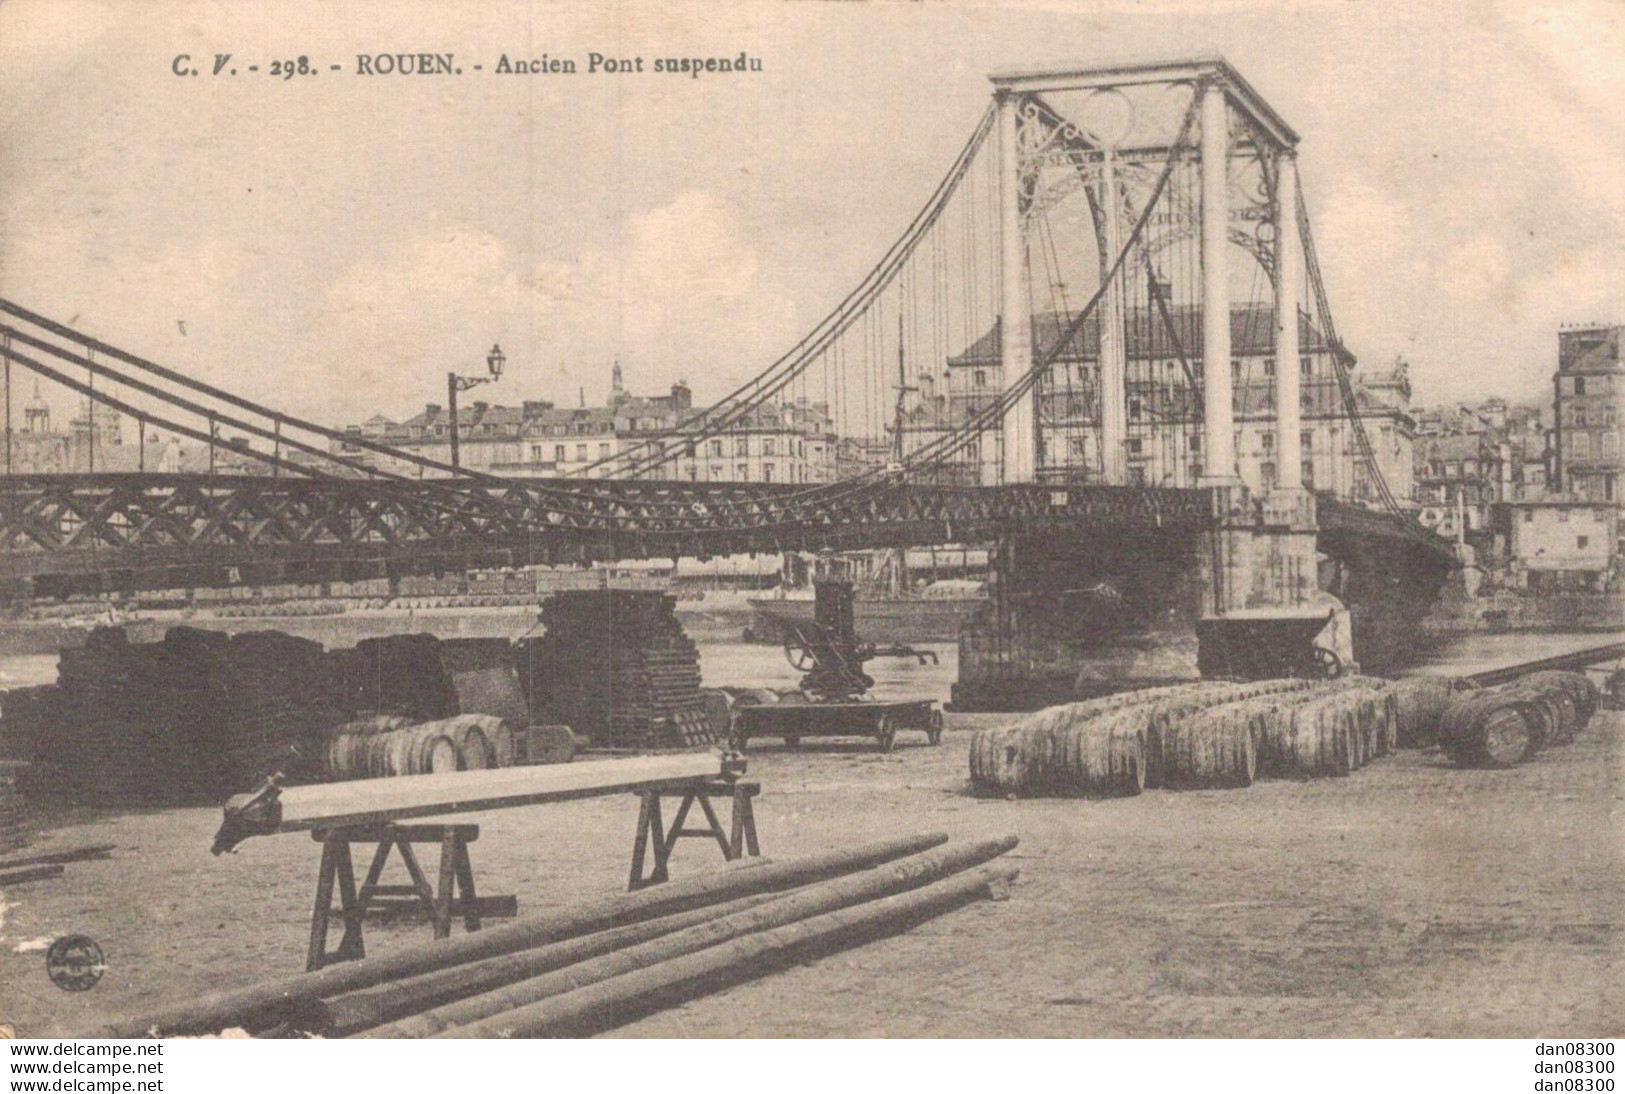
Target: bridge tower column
1018,432
1113,351
1288,278
1218,426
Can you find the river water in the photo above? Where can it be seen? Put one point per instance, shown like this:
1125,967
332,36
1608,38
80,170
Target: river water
726,662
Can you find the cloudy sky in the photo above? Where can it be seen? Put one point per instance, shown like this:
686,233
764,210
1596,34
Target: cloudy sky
334,244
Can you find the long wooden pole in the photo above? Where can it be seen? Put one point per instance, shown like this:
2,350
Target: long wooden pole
348,1014
615,1001
74,854
264,1002
29,873
899,876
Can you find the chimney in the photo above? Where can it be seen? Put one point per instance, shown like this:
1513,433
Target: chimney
430,410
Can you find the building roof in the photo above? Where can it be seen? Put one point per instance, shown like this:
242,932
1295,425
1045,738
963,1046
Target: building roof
1252,332
1589,349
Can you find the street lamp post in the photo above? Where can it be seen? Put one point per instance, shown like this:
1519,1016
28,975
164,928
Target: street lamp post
494,361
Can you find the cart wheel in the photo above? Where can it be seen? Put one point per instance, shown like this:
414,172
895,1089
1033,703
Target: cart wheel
792,742
933,732
885,733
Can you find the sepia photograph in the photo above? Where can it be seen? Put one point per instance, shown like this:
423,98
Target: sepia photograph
799,519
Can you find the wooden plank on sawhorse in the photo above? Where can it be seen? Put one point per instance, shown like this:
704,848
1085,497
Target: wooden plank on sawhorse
452,895
652,834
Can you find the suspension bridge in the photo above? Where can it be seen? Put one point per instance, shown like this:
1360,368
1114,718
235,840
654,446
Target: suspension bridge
1076,348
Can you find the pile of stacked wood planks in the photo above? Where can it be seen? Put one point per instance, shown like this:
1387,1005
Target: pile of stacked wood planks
14,828
1507,724
613,959
1205,734
616,666
186,719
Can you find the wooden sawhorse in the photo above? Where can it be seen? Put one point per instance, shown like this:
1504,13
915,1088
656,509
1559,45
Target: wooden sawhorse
439,902
653,835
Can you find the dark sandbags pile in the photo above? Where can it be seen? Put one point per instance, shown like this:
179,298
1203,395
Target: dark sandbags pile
617,668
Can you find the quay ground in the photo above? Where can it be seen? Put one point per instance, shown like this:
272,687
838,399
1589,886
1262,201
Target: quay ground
1411,899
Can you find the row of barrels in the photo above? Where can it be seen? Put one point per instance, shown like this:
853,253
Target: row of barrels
1506,725
1206,735
389,745
1119,744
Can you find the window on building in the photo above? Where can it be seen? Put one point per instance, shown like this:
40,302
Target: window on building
1582,542
716,448
1610,444
603,451
1528,516
1269,366
979,378
742,446
1306,439
1306,366
1578,414
581,451
1580,445
1196,442
1266,472
743,472
1579,385
1266,441
1562,516
1305,398
716,472
558,453
1308,472
767,472
1134,446
767,446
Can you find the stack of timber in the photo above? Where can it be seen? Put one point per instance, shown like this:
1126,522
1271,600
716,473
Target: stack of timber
14,828
610,959
27,716
398,674
186,719
1508,724
616,666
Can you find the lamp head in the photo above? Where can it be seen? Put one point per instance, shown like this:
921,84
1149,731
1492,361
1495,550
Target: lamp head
495,360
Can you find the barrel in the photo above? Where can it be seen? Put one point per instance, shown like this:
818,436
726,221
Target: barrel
479,741
1494,727
1312,738
1066,751
352,747
1580,690
1422,701
1212,748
